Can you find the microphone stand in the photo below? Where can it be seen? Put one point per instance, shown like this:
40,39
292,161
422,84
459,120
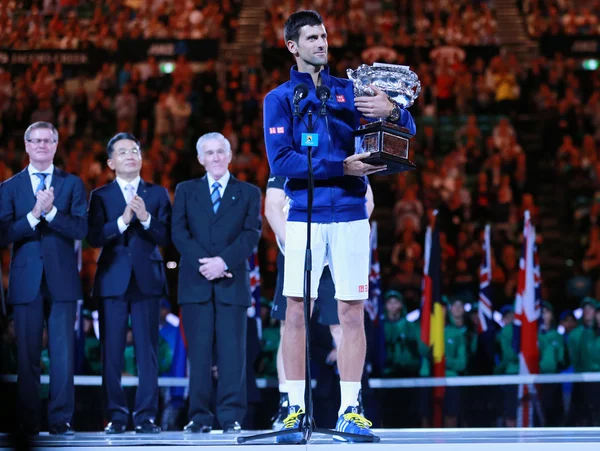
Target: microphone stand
308,426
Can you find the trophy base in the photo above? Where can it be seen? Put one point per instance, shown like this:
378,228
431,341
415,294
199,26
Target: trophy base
387,143
394,164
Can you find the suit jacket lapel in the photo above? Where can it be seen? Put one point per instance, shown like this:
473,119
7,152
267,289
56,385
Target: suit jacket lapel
202,195
230,196
142,191
57,181
118,196
27,189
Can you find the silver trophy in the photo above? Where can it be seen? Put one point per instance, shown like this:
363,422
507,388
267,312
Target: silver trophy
387,142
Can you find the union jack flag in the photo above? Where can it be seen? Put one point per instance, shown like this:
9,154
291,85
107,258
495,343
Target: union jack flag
375,310
254,309
486,310
525,331
372,304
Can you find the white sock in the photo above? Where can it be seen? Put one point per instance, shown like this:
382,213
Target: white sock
349,392
296,393
283,388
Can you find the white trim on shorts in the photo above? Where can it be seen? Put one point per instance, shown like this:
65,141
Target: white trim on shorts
344,245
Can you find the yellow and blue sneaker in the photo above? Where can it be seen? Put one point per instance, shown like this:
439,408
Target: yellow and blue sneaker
354,423
291,422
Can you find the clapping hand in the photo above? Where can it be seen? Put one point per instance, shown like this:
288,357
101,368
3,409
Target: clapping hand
127,214
139,208
46,199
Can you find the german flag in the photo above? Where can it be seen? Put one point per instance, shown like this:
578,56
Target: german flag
432,314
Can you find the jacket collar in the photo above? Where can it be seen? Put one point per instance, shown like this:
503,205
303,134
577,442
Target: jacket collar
304,77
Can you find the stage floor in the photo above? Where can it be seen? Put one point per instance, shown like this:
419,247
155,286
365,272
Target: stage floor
547,439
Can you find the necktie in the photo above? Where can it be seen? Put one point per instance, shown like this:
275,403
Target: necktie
42,184
216,196
128,193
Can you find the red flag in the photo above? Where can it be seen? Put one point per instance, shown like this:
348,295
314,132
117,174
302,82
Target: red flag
432,315
527,313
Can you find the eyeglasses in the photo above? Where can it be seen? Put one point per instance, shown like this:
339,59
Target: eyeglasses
122,152
37,142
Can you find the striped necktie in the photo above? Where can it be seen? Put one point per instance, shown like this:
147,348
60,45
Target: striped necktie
42,184
216,196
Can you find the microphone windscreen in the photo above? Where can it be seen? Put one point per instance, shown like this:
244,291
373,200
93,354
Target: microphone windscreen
323,93
301,91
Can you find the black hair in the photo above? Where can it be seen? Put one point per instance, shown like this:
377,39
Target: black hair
291,29
119,136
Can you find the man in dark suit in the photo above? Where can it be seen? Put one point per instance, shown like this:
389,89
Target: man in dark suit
216,224
42,213
129,218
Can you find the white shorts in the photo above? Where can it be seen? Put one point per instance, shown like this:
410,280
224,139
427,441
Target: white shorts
344,245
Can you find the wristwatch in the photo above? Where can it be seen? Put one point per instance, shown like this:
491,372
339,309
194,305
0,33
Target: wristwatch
395,113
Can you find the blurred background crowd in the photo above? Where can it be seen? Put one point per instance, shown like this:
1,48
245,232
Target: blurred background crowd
500,131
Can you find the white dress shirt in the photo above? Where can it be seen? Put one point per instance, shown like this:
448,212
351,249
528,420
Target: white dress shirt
35,181
122,184
223,181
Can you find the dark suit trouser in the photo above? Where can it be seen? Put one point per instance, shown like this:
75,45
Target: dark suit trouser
227,325
144,324
29,327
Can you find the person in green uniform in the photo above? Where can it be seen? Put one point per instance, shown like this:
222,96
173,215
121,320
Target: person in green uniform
402,339
553,359
455,337
580,345
267,366
508,363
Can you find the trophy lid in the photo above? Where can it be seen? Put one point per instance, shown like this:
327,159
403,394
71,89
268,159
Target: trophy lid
397,81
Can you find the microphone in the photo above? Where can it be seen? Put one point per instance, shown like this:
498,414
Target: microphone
323,94
300,92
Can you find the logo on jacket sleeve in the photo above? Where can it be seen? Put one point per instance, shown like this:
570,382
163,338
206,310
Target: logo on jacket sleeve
276,130
340,98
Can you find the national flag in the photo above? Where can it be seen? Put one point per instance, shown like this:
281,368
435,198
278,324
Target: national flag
172,333
79,344
433,320
254,309
487,327
374,308
486,319
527,314
372,304
426,295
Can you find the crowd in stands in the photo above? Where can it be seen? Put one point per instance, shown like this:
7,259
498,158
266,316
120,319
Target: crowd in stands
561,17
474,167
79,24
368,23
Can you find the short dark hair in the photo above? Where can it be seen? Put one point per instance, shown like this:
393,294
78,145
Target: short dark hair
291,29
118,137
40,125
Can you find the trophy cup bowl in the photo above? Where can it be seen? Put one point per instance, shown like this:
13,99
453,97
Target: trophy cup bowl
387,142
